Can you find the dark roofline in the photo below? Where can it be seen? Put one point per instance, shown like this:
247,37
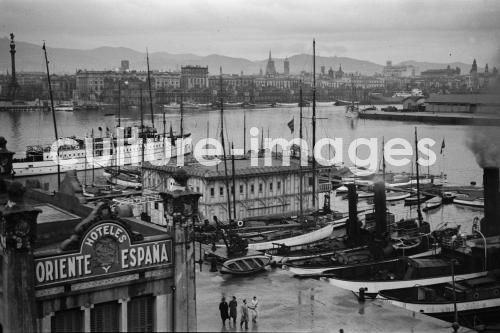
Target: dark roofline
197,170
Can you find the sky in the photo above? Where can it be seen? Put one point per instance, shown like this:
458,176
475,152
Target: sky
375,30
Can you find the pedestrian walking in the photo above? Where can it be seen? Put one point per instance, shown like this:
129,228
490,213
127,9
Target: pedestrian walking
223,308
244,314
233,309
254,307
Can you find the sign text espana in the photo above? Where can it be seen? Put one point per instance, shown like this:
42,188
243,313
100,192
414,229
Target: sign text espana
105,249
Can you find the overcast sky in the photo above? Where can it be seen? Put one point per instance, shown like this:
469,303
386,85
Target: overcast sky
375,30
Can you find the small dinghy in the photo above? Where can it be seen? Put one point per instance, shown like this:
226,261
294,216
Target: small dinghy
477,203
433,203
396,196
245,265
413,200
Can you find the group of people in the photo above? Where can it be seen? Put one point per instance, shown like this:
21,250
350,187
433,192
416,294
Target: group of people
230,311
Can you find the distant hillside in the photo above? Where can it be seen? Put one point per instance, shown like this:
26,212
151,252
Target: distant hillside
29,57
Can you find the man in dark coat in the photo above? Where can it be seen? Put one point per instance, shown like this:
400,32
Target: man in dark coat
233,310
223,308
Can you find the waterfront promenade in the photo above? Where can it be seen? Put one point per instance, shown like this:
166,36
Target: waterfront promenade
288,304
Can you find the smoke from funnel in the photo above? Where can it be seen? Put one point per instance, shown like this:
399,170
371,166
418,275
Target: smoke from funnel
484,142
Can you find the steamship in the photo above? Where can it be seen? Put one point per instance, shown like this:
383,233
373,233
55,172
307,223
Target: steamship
103,152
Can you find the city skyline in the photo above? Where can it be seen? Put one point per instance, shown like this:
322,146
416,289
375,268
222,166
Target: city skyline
449,31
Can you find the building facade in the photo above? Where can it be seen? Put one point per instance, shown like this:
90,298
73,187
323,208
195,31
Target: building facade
102,273
260,191
194,77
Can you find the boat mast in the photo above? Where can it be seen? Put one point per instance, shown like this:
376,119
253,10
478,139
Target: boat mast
418,182
244,133
383,158
150,92
119,102
119,124
53,117
226,178
85,169
142,125
164,126
301,180
93,155
182,116
314,127
233,174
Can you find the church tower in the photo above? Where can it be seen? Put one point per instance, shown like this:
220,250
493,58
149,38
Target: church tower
270,68
286,65
474,67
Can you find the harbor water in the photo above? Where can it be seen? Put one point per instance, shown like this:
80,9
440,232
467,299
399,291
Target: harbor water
457,161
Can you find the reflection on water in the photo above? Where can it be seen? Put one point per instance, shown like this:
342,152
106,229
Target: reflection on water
28,128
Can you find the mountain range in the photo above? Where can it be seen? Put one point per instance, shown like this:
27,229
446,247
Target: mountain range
29,57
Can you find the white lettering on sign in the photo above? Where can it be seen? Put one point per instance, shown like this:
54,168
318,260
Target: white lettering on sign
105,230
62,268
105,249
151,254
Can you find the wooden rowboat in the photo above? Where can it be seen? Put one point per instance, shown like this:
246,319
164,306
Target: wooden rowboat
433,203
310,237
245,265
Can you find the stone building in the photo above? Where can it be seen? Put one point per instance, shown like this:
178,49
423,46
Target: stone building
194,77
260,191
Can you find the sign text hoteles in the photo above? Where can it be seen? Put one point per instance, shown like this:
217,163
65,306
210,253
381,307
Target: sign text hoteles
105,249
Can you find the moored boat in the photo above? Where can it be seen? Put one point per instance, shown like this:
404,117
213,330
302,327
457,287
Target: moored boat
432,203
287,105
327,266
245,265
413,200
474,299
400,273
475,203
64,107
396,196
448,197
309,237
352,110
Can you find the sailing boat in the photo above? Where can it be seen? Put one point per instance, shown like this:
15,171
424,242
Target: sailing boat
352,109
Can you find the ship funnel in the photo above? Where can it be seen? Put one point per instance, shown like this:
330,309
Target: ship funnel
490,225
352,222
380,209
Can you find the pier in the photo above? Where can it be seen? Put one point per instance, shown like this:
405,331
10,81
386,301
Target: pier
434,118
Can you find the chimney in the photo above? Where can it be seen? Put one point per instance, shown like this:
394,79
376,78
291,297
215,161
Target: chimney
352,222
380,209
490,226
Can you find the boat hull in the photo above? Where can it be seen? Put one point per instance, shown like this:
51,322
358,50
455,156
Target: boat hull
374,287
317,271
245,265
310,237
469,203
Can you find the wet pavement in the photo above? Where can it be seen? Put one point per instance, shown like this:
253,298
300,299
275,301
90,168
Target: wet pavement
289,304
